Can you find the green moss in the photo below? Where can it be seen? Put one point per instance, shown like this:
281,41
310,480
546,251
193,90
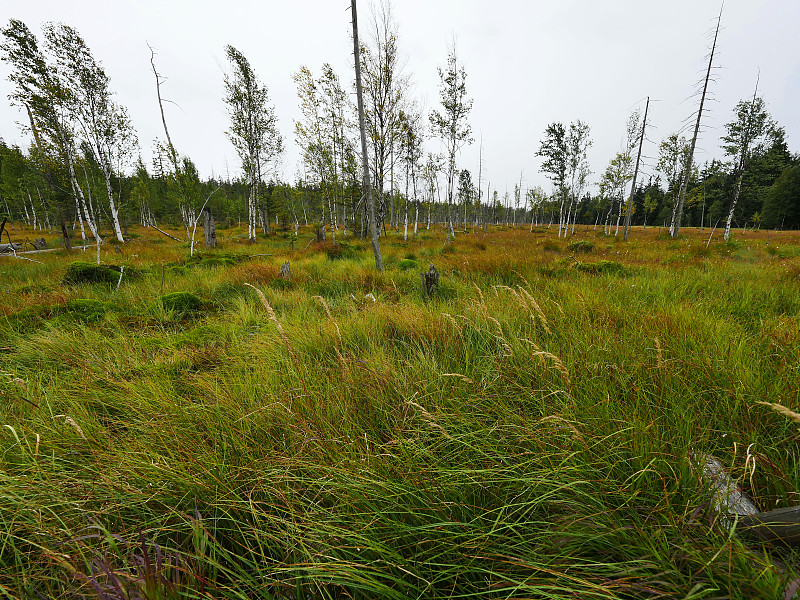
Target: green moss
342,250
181,302
215,259
581,246
602,267
407,264
86,310
84,272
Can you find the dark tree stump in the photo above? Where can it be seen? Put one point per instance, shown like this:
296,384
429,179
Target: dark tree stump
430,282
209,229
286,270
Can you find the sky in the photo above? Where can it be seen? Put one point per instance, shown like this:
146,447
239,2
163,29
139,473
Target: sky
528,63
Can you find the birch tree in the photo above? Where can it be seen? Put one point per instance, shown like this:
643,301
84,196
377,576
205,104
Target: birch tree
451,125
673,154
253,130
104,124
411,153
629,207
747,135
385,87
47,102
564,150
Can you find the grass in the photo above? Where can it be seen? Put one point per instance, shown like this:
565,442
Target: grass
524,434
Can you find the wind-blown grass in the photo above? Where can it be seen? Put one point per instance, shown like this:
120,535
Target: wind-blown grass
524,434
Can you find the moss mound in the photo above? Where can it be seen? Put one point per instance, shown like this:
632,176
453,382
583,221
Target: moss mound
85,272
581,246
181,302
602,267
215,259
87,310
341,250
407,264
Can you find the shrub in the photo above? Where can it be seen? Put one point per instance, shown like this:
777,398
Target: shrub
217,261
581,246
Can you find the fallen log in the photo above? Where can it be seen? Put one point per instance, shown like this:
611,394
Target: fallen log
728,497
165,233
780,527
12,247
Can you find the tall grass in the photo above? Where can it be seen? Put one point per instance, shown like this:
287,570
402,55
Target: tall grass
525,434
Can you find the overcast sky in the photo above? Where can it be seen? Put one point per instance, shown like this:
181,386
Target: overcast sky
528,63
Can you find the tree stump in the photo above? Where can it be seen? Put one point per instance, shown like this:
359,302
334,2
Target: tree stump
39,243
321,232
117,250
209,229
430,282
286,271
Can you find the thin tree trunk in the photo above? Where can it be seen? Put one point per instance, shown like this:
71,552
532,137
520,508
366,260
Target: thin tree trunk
629,207
376,249
677,215
113,206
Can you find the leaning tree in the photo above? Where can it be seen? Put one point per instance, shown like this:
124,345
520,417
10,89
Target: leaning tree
253,129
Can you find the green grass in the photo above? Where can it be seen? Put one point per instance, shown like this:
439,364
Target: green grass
524,434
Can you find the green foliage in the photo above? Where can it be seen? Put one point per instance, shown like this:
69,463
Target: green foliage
342,250
782,200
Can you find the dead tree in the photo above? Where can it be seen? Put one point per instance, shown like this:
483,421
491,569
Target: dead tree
629,207
364,157
209,229
677,213
430,282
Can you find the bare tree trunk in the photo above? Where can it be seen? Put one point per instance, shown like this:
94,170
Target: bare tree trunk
113,206
629,207
209,230
677,215
376,249
76,188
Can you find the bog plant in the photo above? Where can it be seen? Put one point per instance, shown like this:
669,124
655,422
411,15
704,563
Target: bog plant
523,434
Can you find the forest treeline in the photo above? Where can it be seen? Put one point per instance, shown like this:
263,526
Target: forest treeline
82,174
